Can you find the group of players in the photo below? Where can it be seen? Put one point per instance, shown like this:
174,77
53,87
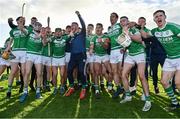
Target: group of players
103,58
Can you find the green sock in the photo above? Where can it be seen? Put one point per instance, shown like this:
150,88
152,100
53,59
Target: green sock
147,98
92,84
118,87
171,95
84,86
127,93
96,87
48,82
71,85
9,88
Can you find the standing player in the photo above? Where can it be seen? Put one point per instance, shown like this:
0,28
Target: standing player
99,45
33,73
78,56
115,55
58,59
67,53
169,36
90,57
34,50
18,36
135,55
47,57
141,26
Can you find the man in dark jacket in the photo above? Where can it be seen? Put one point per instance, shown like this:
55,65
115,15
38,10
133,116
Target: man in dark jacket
78,55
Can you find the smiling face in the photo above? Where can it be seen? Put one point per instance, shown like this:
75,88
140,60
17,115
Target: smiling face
58,32
99,29
37,26
90,29
160,19
113,18
48,30
21,21
74,27
124,22
68,29
33,21
43,31
141,22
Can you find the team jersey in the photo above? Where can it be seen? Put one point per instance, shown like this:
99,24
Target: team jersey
169,37
113,34
58,46
34,44
88,41
98,42
135,47
19,39
47,49
30,28
146,30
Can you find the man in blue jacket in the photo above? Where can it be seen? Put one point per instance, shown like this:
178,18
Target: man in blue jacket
78,55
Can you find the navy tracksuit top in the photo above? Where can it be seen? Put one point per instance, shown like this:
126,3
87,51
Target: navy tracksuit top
78,41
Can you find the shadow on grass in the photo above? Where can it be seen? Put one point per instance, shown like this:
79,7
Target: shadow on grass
11,107
163,102
15,89
56,106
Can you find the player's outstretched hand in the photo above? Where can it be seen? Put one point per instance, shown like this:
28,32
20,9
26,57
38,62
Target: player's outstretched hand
77,12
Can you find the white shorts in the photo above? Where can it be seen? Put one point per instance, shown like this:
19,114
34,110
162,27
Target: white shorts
101,59
171,64
20,56
90,58
67,57
58,61
4,62
135,59
46,61
36,59
116,56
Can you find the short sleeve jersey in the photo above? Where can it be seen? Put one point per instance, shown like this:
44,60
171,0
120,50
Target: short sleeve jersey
19,39
58,46
34,44
98,45
113,34
169,37
89,40
135,47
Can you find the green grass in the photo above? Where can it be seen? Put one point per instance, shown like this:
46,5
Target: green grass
71,107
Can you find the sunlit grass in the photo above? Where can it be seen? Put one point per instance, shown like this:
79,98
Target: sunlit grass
56,106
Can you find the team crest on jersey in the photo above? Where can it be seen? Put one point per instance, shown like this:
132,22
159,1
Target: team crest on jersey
59,42
99,41
166,33
114,30
35,38
18,33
